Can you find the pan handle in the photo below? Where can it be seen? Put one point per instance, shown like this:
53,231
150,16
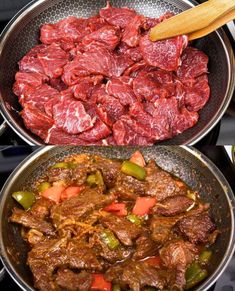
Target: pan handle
2,273
3,127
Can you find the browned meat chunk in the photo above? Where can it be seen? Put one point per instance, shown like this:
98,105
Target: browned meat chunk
28,220
80,256
161,228
125,230
128,188
43,259
46,256
34,236
59,174
196,228
112,256
161,184
177,255
173,206
41,208
110,170
136,275
78,206
145,247
69,280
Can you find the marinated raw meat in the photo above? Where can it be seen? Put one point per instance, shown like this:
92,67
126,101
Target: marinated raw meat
101,81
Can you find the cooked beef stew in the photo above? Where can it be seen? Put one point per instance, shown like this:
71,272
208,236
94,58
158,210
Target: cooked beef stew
99,224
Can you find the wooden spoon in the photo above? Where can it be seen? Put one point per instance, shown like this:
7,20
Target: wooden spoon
194,19
213,26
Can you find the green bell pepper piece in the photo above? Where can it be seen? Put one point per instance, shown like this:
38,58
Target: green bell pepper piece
194,275
116,287
196,279
134,219
95,179
205,256
43,186
133,170
109,239
24,198
61,165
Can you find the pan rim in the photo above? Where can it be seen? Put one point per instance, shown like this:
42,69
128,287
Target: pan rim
196,153
31,140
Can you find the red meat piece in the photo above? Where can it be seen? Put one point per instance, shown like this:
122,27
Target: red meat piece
131,34
109,109
138,127
164,54
28,81
117,16
70,115
58,84
67,31
99,131
109,141
53,59
48,106
194,64
124,135
35,120
59,137
167,119
133,70
134,52
154,85
183,121
84,87
157,127
38,97
197,95
96,60
178,120
30,62
151,22
83,90
121,88
108,35
95,22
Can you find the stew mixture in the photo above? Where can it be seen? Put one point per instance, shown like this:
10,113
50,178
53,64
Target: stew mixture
102,224
101,81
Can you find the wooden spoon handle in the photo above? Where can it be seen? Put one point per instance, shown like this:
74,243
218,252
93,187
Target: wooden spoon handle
191,20
213,26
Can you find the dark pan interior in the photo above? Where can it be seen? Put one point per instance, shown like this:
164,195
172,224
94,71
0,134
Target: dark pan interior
186,163
26,34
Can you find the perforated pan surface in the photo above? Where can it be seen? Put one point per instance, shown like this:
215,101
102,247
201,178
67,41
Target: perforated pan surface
23,33
186,163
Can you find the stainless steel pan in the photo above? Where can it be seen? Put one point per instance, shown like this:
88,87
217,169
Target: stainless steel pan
185,162
22,33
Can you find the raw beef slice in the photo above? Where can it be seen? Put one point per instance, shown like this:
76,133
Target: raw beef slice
53,59
194,64
117,16
70,115
121,88
164,54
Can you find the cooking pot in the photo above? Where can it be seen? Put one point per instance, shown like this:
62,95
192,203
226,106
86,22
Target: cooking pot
22,33
184,162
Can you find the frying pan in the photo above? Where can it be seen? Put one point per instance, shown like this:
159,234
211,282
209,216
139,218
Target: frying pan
22,33
185,162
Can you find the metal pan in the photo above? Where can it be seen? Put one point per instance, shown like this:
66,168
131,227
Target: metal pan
22,33
185,162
